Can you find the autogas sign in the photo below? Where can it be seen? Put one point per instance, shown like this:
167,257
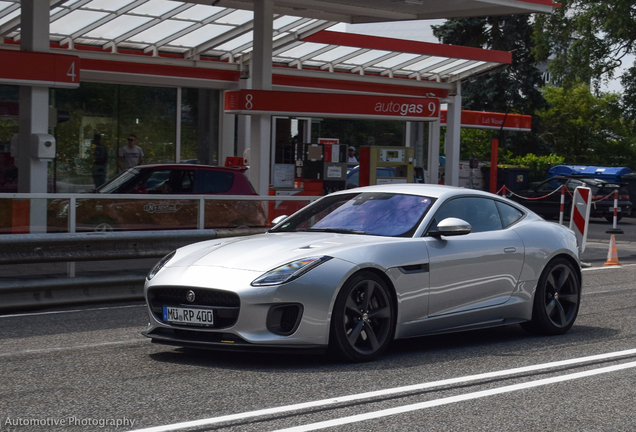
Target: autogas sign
331,105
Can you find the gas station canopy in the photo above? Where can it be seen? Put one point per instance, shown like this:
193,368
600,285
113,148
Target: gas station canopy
360,11
223,32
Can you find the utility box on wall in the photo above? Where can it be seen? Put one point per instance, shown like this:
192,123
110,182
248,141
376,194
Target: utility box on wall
43,146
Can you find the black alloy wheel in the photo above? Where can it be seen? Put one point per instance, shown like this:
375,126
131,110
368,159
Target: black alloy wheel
363,320
557,299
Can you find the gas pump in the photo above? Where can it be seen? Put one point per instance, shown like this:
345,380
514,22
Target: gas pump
382,165
321,167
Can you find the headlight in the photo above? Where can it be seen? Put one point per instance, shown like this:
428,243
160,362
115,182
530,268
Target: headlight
160,265
290,271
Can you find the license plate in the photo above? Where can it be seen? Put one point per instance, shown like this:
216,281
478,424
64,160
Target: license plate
191,316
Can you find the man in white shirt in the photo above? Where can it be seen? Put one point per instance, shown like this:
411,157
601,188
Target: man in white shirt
130,155
352,159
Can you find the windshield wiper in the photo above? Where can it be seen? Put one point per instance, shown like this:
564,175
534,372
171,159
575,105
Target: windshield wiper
338,230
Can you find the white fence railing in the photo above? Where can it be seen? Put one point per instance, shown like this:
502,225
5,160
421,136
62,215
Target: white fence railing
40,202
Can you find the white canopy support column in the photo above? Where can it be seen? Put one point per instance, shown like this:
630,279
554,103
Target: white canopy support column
452,142
433,151
34,111
415,138
227,125
261,73
243,123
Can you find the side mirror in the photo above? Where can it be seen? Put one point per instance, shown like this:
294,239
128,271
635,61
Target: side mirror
279,219
451,227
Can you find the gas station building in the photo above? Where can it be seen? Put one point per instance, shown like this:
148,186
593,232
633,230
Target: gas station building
206,80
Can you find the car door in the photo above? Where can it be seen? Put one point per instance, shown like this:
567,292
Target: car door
475,270
159,212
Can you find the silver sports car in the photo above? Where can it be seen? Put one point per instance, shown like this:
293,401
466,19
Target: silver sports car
359,268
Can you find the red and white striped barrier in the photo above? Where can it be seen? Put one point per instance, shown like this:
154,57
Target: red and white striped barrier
580,217
562,209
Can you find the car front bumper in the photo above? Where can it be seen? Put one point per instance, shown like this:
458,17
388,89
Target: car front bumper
246,317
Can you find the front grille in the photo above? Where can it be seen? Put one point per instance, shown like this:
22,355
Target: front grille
226,305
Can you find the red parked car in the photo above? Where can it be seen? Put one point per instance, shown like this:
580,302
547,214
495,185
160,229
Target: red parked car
158,180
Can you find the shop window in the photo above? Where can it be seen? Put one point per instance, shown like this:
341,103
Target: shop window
103,116
9,96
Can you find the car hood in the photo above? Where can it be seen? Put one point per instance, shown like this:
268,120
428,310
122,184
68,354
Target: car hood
267,251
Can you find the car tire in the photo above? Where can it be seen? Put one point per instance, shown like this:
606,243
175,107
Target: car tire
363,319
556,300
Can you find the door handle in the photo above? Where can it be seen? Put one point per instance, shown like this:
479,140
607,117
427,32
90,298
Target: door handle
510,249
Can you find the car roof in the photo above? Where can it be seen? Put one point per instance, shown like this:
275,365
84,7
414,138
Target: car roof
173,165
587,179
428,190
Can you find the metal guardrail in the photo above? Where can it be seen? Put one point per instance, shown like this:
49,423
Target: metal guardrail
46,248
21,294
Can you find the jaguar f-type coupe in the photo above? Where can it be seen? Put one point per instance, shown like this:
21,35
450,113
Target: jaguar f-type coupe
358,268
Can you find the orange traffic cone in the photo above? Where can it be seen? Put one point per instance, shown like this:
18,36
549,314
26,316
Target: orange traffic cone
612,255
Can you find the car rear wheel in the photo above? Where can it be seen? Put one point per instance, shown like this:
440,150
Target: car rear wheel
556,301
363,319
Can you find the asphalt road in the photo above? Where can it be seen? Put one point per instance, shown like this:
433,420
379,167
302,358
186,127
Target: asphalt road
87,369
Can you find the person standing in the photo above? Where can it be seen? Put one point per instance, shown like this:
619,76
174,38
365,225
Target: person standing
130,155
351,156
100,158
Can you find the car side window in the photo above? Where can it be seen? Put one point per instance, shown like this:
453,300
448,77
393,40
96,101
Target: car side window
551,185
212,181
573,184
186,182
509,214
480,213
155,181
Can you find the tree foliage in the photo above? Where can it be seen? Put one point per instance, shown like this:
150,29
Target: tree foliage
585,128
514,88
587,41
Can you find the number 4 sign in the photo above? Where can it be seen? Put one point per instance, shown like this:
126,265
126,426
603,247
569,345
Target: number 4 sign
39,69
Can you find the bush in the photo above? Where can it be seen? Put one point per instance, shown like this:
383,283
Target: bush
539,165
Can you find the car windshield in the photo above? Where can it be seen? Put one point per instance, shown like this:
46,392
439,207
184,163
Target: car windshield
381,214
116,182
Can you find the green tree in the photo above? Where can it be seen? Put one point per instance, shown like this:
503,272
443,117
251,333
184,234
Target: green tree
587,129
586,41
514,88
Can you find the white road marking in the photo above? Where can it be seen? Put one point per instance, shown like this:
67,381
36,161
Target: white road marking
70,311
72,348
455,399
608,267
394,391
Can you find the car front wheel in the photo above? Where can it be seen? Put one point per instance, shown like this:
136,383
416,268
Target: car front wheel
556,300
363,319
